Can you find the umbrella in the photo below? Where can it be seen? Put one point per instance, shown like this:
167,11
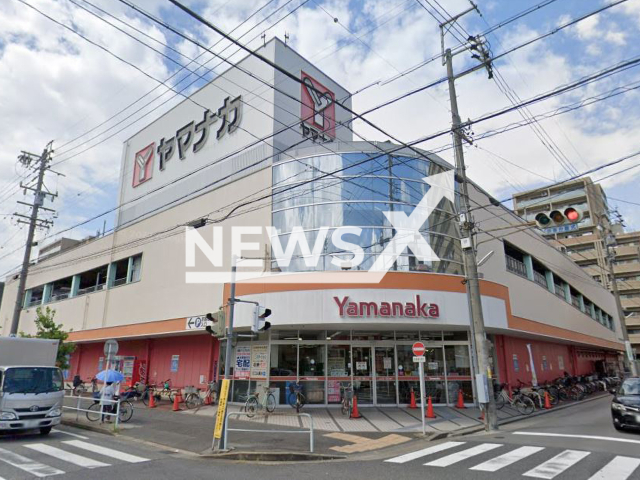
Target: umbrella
110,376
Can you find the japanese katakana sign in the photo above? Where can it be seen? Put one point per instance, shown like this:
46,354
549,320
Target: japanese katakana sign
192,136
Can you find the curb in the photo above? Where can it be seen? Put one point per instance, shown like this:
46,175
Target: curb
507,421
272,457
90,428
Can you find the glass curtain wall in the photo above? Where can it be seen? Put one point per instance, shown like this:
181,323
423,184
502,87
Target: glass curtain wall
366,186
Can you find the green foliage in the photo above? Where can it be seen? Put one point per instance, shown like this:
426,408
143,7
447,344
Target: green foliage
46,327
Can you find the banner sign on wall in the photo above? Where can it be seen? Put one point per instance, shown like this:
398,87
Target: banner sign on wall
175,361
243,362
259,361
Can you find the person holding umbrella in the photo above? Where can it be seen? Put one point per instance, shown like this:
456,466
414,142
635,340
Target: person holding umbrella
106,399
108,392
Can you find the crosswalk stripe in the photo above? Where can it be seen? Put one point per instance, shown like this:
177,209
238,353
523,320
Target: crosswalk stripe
28,465
463,455
557,464
424,452
507,459
619,468
66,456
108,452
55,430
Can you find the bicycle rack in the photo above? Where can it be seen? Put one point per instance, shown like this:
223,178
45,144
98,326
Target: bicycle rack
238,414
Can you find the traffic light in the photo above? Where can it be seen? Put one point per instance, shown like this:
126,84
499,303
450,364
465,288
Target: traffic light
216,323
556,218
259,322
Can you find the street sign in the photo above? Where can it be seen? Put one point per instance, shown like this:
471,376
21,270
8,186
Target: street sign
110,348
222,407
196,323
418,349
419,359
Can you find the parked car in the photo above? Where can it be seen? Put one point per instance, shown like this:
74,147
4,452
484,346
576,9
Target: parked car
625,406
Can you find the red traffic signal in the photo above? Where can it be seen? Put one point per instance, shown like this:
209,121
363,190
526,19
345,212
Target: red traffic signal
556,218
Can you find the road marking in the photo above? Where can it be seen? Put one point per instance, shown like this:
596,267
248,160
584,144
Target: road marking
557,464
55,430
424,452
23,463
588,437
507,459
619,468
66,456
463,455
107,452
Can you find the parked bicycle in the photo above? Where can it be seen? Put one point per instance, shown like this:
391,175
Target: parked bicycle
255,403
94,412
518,400
80,388
346,392
196,400
158,394
296,398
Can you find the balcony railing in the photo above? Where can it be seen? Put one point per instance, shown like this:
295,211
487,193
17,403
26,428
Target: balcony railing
540,279
516,266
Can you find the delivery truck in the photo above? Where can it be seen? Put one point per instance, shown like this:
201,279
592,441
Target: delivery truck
31,386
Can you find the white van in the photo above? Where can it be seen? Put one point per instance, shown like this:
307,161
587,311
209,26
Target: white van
31,386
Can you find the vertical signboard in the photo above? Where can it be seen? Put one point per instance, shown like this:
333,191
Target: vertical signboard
243,363
175,362
222,407
259,361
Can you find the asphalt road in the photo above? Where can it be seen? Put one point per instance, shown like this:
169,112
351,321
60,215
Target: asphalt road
558,445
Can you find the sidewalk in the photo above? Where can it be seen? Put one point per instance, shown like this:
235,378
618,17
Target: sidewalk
335,434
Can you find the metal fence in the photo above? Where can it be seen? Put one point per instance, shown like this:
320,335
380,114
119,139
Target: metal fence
238,414
79,399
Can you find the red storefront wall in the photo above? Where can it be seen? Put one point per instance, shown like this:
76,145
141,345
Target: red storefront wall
197,355
551,360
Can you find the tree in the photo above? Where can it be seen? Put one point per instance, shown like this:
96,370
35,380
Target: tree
46,327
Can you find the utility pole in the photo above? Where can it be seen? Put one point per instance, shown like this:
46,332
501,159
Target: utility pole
609,242
27,159
484,378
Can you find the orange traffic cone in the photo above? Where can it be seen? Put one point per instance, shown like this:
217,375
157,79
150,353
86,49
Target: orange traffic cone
152,400
176,403
413,400
460,403
547,401
354,408
207,400
430,413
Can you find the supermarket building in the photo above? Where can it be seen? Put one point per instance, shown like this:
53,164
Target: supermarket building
273,152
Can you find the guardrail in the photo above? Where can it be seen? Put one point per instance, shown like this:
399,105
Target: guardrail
80,398
237,414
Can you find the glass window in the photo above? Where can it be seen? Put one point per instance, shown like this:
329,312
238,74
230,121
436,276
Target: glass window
339,361
93,280
284,360
404,336
136,268
121,268
312,360
455,336
61,289
339,335
457,358
431,336
312,334
284,335
406,366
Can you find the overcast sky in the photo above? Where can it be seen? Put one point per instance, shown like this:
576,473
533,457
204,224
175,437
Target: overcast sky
55,85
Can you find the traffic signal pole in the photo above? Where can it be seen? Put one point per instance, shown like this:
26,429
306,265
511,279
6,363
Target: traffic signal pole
470,262
227,353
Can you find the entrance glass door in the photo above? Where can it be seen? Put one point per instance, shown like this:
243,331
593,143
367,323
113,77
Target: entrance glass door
385,376
362,374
